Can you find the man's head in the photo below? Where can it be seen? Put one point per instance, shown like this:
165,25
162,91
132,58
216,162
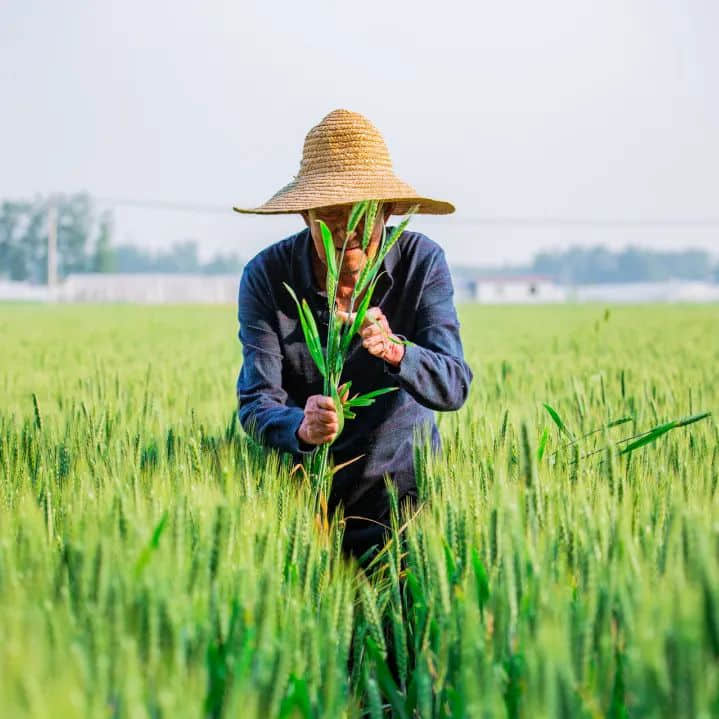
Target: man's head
335,217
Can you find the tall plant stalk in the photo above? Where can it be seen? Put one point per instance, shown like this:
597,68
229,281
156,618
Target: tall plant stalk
330,358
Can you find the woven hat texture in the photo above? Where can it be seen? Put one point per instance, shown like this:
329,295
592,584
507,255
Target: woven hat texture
345,160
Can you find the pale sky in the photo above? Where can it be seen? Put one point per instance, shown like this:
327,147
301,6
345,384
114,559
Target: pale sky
572,109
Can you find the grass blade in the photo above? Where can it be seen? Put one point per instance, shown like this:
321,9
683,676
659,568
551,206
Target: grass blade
329,246
542,444
309,330
365,400
654,434
556,419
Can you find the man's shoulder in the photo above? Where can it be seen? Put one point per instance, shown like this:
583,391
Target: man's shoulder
277,254
418,243
418,251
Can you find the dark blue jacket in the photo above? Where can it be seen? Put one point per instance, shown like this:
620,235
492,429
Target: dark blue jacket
278,375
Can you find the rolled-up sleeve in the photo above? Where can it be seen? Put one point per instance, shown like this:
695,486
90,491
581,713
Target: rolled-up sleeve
262,407
433,369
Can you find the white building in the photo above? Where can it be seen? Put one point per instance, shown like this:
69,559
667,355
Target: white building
519,289
149,288
23,292
633,292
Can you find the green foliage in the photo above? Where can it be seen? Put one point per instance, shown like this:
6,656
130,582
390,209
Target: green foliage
24,233
155,562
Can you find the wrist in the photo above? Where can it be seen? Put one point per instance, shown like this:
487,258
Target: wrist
395,353
304,445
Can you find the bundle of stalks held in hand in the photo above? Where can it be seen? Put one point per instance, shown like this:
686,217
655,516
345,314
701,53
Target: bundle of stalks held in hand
330,358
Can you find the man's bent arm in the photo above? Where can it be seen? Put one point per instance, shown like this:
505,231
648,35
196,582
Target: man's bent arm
433,369
263,411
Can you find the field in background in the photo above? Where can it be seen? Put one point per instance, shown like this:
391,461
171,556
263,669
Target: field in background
154,563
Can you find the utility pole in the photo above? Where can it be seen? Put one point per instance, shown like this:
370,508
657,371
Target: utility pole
52,245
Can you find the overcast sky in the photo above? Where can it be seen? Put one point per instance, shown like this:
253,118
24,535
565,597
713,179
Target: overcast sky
572,109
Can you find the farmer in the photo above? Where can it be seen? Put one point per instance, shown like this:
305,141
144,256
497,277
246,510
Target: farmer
279,388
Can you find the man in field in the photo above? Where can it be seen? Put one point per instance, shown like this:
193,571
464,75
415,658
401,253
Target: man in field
279,388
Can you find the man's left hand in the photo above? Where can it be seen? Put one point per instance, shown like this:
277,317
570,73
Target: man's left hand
376,333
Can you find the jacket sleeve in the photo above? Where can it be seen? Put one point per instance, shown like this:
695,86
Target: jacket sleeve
433,369
262,407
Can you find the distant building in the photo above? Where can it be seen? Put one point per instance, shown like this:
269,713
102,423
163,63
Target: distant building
23,292
516,289
149,288
634,292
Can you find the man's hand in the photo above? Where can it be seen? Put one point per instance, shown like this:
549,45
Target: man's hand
376,333
320,423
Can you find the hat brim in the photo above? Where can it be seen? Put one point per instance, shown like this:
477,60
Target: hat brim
311,192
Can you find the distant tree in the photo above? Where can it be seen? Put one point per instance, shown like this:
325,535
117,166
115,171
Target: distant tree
104,259
23,240
223,265
181,257
74,230
600,265
24,236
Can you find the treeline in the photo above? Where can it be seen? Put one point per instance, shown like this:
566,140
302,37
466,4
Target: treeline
598,265
181,257
84,243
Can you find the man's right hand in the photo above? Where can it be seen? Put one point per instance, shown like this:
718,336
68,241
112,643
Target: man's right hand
320,423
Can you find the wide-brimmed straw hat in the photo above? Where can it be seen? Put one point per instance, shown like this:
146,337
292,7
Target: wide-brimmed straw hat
345,160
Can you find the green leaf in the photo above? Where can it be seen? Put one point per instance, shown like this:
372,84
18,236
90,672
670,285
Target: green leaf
542,444
312,338
481,579
556,419
309,330
339,408
358,209
153,544
329,246
297,698
365,400
694,418
652,436
385,679
337,353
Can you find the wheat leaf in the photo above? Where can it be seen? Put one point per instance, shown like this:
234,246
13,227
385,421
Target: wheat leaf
556,418
365,400
329,246
650,437
312,339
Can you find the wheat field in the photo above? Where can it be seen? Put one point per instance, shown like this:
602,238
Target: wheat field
154,562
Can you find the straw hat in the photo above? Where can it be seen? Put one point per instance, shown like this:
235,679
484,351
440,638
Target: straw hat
345,160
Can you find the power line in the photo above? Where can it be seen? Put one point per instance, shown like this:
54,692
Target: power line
614,222
497,221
